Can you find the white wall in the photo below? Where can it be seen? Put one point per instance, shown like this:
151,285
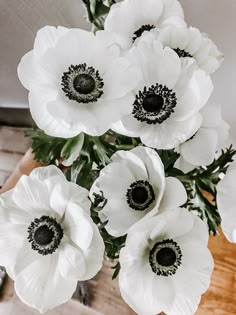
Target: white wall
20,19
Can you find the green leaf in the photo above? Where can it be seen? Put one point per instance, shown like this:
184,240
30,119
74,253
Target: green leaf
116,271
96,13
72,145
168,157
113,244
46,149
203,180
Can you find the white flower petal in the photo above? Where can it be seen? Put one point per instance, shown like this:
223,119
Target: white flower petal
197,94
174,195
94,255
133,162
129,126
120,219
226,204
59,199
183,305
11,242
151,291
119,78
71,262
27,71
80,195
10,212
211,120
171,133
31,195
38,107
47,37
110,187
36,283
183,165
78,226
43,173
194,152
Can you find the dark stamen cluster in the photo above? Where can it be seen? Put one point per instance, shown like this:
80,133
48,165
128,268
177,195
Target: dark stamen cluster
82,83
45,235
155,104
182,53
165,258
140,195
141,30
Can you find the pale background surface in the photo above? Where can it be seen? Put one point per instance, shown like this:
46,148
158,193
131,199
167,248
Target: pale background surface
20,19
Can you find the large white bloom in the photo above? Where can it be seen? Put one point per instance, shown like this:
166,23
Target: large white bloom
190,42
77,81
165,264
226,200
131,18
168,98
201,149
134,186
47,239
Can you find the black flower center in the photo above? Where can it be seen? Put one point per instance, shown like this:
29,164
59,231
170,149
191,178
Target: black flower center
82,84
141,30
45,235
165,258
182,53
140,195
155,104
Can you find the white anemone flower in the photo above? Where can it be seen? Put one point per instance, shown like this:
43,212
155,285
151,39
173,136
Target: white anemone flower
166,110
165,264
134,186
226,199
77,81
190,42
130,19
201,148
47,239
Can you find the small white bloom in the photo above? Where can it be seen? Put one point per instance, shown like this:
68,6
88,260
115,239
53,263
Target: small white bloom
190,42
134,186
47,239
77,81
168,98
226,199
129,19
201,149
165,264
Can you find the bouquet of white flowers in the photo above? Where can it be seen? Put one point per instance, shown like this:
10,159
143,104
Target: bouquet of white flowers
131,145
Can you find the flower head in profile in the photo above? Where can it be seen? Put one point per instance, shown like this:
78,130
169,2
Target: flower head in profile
167,261
168,98
47,239
130,19
190,42
77,81
134,186
201,148
226,199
